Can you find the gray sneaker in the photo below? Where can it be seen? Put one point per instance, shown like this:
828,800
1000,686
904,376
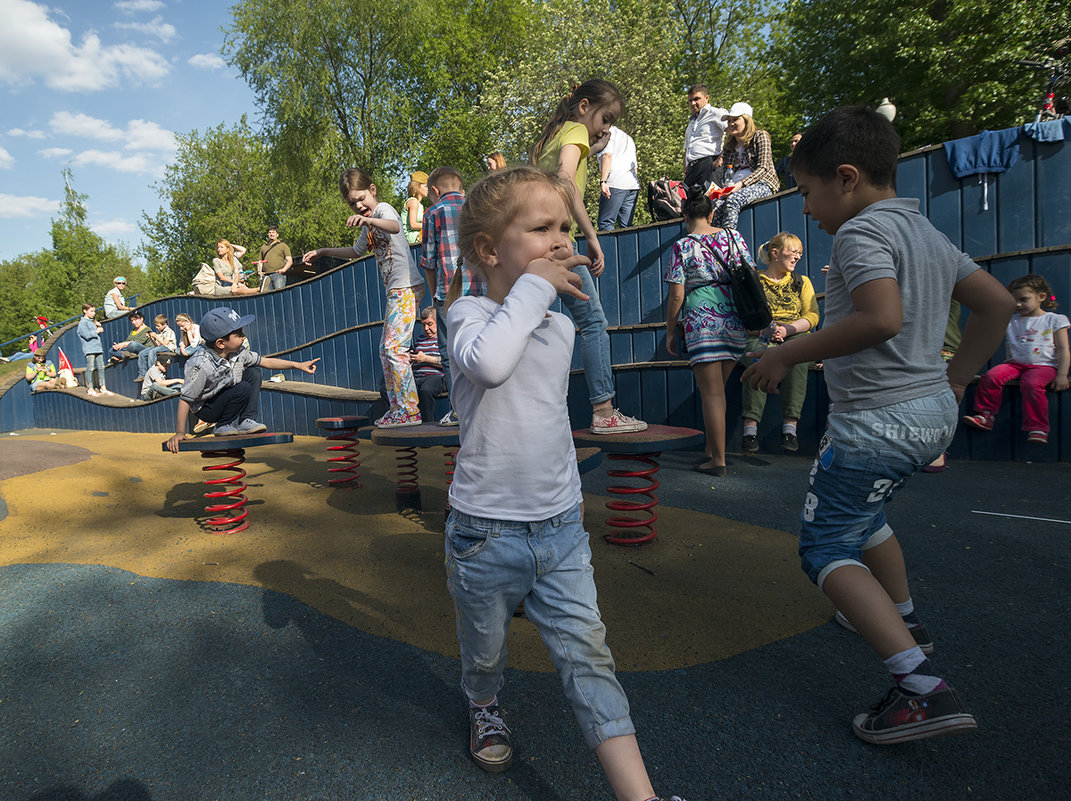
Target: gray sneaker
489,741
227,430
251,426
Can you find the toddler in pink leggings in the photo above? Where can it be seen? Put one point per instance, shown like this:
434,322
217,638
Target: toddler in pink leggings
1037,355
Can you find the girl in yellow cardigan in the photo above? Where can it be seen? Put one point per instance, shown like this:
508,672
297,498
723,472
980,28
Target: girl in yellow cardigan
795,313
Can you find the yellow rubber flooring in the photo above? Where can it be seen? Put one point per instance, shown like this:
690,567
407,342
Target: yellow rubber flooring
706,589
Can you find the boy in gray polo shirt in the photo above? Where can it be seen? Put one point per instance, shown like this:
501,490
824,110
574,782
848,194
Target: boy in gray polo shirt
895,403
223,380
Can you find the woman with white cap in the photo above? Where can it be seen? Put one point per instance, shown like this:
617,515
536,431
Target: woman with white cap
114,302
748,158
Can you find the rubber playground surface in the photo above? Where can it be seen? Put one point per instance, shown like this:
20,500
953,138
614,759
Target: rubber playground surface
313,655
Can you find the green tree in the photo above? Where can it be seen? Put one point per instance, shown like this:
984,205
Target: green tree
225,184
317,66
570,41
950,66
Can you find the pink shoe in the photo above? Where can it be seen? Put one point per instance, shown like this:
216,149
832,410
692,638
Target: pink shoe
398,419
106,392
983,421
92,393
1040,437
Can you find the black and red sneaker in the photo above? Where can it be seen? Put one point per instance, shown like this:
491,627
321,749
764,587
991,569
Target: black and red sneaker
489,743
900,717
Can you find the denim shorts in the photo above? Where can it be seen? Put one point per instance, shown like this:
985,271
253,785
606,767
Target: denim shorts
863,457
493,565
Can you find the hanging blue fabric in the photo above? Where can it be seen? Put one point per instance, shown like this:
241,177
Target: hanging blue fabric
1050,130
987,152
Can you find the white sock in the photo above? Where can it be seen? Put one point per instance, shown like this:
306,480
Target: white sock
788,428
751,431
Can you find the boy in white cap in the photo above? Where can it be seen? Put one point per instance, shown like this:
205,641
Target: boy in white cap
222,383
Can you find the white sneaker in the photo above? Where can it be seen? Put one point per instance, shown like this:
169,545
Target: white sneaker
616,423
250,426
450,419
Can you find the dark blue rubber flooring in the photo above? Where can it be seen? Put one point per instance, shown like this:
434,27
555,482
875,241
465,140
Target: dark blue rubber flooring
115,687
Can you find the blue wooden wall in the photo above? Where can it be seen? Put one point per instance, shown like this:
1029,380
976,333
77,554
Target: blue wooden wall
337,315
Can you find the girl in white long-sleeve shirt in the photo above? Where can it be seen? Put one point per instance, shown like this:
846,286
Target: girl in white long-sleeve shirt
515,531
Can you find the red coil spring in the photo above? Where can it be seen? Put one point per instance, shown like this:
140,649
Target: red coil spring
346,459
624,528
408,483
230,516
451,463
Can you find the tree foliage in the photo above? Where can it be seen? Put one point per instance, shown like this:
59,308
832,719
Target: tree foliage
222,185
950,66
55,282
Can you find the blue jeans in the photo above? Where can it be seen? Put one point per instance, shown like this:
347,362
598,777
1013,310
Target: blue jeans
147,357
94,362
594,341
619,208
864,456
491,566
272,281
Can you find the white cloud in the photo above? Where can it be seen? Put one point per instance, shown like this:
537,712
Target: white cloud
163,31
140,163
113,227
7,161
133,6
27,206
143,135
208,61
34,48
138,135
64,122
55,152
26,133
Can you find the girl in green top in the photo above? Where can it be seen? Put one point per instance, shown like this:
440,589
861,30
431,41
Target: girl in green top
580,120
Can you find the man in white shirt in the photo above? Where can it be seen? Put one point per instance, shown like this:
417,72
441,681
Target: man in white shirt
620,184
702,138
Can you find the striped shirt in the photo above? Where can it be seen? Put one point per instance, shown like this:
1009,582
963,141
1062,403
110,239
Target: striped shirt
429,346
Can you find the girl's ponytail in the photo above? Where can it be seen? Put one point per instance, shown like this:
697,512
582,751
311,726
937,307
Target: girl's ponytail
454,290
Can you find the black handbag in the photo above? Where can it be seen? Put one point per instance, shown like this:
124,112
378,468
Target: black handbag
748,295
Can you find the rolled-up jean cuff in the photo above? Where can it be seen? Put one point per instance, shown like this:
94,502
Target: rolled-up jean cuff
878,537
825,571
621,727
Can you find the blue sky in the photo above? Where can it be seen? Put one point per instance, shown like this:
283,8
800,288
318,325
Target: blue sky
102,86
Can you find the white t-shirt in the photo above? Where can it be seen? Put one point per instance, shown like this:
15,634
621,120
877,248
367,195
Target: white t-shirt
393,256
623,167
1030,339
510,376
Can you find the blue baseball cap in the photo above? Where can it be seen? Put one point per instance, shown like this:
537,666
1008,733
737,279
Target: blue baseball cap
220,323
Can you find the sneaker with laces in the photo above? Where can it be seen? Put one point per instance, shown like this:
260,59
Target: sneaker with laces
226,430
489,743
922,637
398,419
750,443
789,442
899,717
1040,437
616,423
450,419
983,421
250,426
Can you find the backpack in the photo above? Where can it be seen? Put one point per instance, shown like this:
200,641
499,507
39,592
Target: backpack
665,199
748,295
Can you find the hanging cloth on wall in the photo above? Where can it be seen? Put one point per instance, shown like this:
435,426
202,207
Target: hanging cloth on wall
1050,130
989,152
